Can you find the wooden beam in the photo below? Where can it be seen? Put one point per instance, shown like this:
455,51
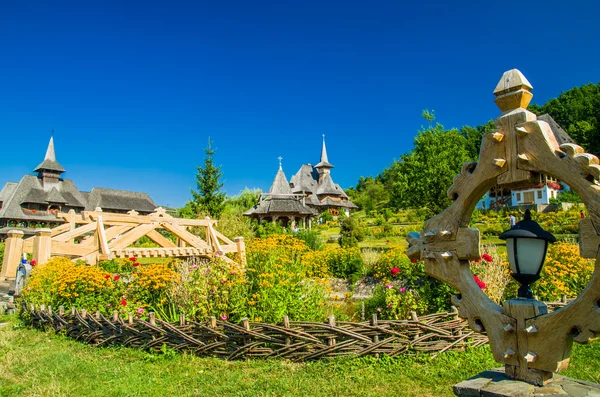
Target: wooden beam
102,241
68,249
188,237
132,236
80,231
159,239
222,237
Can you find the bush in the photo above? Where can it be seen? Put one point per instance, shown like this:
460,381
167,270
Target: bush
235,225
311,238
277,282
351,232
430,295
211,288
337,262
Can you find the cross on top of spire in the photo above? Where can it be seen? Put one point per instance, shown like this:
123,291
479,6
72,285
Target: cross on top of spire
279,158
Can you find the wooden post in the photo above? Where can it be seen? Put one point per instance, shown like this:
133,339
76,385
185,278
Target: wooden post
181,319
241,249
213,322
42,246
522,310
374,324
151,318
331,321
286,324
13,251
130,319
115,316
61,311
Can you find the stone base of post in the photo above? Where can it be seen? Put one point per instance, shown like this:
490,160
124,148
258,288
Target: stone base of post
495,383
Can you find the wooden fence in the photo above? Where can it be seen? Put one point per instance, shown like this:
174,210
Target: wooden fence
294,340
297,341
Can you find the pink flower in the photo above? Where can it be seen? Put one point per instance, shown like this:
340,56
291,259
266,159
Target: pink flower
389,286
140,310
480,283
224,317
124,297
390,306
195,300
109,305
195,267
232,272
223,281
402,290
395,270
487,258
378,310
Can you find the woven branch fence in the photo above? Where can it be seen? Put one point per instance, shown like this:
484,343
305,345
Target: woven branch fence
294,340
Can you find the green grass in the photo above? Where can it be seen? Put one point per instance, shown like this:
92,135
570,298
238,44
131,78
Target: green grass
36,363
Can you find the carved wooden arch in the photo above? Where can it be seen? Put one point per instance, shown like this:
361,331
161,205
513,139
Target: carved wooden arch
520,145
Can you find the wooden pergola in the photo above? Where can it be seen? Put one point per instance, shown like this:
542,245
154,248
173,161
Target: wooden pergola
97,235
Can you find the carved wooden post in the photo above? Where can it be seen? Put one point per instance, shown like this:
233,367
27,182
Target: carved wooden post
531,343
241,249
42,246
13,251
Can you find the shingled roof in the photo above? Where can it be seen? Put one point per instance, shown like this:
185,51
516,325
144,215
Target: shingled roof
50,163
280,200
32,189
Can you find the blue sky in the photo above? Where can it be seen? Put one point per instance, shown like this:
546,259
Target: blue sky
133,90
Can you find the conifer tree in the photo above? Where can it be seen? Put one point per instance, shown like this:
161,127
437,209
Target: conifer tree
208,199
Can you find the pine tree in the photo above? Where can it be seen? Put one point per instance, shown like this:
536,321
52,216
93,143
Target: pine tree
208,199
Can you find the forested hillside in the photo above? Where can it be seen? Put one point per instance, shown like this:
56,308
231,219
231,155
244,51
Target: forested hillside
420,178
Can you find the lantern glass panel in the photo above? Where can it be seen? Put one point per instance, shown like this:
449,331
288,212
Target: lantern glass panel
530,254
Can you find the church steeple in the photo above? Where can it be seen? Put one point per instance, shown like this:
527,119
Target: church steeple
50,163
49,170
323,166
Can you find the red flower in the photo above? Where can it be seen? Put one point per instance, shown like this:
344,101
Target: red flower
133,259
414,260
480,283
136,263
395,270
477,260
387,241
107,276
123,302
116,278
33,263
487,258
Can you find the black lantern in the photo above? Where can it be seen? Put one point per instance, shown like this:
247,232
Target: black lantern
526,245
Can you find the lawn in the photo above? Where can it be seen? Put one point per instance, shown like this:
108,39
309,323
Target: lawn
35,363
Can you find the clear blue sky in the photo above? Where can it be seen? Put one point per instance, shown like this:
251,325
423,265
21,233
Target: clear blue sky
133,90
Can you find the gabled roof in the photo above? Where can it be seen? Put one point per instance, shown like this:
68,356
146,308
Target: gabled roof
112,199
50,163
305,180
55,197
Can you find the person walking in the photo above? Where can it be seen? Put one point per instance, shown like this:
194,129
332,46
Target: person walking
512,221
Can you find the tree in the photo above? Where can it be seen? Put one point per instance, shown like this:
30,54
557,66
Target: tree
577,111
422,177
208,199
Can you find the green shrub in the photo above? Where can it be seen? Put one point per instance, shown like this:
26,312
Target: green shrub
1,253
352,232
311,238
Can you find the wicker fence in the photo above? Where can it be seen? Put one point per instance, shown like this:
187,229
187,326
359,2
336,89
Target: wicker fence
297,341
